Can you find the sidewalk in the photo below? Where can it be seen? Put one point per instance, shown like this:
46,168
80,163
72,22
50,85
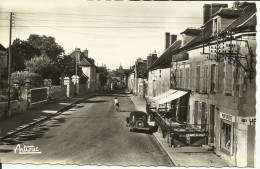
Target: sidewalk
184,156
24,120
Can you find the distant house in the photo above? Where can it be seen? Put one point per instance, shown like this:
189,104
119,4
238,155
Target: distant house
88,68
3,58
122,75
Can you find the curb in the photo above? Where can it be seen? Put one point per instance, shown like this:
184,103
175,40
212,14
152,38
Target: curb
166,151
31,125
157,139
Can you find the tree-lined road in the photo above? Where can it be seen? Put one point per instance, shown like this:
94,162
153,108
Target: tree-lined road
90,133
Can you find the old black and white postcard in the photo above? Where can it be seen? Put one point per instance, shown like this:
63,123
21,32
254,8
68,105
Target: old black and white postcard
123,83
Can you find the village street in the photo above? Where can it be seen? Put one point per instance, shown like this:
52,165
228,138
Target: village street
90,133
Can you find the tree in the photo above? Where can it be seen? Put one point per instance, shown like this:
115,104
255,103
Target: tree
103,75
43,66
67,65
47,46
21,51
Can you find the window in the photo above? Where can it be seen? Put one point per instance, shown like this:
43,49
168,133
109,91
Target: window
215,24
214,78
198,78
226,131
177,77
228,78
187,74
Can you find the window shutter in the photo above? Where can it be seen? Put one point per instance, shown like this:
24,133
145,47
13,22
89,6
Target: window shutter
201,86
204,78
187,78
177,78
198,78
208,78
216,78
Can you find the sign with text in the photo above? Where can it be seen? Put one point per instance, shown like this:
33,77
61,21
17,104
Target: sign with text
227,117
247,120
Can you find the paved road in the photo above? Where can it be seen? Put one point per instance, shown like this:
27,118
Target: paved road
90,133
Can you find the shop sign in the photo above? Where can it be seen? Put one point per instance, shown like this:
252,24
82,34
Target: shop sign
247,120
227,117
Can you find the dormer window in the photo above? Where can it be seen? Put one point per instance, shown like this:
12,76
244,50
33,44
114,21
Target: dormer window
216,25
222,19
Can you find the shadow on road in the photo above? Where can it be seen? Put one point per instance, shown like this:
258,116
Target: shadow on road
114,95
33,133
5,151
94,101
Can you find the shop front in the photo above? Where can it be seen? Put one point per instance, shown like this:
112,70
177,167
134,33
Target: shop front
227,123
170,114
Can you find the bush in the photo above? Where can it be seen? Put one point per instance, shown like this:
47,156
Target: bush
21,76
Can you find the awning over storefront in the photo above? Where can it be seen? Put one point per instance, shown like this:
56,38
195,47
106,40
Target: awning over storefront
175,95
161,96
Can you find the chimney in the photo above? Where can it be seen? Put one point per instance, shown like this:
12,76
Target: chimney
151,59
77,54
85,52
236,4
167,40
173,38
206,13
216,7
210,9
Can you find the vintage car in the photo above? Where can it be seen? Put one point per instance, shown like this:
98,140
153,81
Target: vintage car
128,91
138,120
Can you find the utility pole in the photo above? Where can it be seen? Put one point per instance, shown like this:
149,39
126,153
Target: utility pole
9,62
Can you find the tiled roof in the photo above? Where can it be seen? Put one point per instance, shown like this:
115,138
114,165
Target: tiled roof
204,35
2,47
247,13
246,19
84,62
87,62
191,31
227,12
250,22
165,59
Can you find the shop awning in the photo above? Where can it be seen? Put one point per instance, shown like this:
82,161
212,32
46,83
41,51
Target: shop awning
161,96
171,97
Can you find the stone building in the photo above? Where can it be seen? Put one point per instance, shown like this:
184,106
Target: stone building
217,66
3,58
88,67
206,81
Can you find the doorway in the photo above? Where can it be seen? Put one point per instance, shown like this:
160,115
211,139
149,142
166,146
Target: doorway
212,124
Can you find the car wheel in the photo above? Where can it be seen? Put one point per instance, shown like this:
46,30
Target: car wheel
139,123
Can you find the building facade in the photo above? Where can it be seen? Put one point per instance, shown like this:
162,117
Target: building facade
217,66
3,58
88,68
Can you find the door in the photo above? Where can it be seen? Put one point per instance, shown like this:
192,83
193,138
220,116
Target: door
212,124
196,113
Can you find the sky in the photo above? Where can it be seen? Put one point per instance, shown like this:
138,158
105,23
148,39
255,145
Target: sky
114,32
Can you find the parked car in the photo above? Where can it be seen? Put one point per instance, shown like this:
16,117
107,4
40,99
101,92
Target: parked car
138,120
128,91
